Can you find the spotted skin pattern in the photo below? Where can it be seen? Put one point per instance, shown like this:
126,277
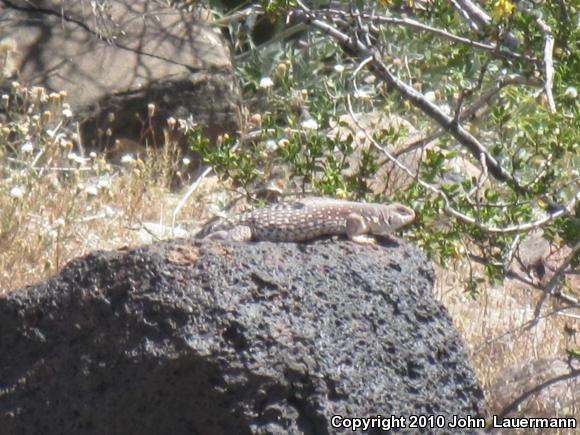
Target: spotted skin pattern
310,218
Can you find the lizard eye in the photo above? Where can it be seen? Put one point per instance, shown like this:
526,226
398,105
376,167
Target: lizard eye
404,211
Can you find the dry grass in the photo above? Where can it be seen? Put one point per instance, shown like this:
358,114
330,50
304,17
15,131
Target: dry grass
57,217
496,329
56,205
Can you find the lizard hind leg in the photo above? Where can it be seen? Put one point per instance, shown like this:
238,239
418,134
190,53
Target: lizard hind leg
241,233
356,230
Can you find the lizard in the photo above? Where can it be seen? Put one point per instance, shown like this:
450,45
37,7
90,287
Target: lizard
309,218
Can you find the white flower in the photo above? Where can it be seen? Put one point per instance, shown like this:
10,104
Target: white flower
27,147
446,108
571,92
266,82
271,145
339,68
76,158
186,161
127,159
67,113
104,183
16,192
430,96
109,211
309,124
92,190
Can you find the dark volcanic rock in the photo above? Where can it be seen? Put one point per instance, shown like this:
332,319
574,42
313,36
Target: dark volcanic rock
260,338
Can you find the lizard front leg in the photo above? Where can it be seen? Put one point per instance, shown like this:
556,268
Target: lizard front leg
356,230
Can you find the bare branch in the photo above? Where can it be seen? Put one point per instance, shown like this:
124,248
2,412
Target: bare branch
448,208
478,19
548,57
444,120
414,97
414,24
474,16
238,16
482,101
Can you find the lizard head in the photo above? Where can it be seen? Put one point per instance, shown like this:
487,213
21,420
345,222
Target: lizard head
390,218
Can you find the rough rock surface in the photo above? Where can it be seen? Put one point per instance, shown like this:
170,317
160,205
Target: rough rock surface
188,337
118,56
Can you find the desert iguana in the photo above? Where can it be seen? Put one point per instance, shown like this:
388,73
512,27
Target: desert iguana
309,218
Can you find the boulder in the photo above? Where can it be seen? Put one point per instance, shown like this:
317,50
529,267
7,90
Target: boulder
259,338
115,58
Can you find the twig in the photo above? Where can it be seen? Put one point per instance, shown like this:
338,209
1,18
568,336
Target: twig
474,20
523,327
508,258
536,390
574,302
549,287
185,197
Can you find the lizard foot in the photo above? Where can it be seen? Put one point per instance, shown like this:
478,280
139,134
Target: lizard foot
361,239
